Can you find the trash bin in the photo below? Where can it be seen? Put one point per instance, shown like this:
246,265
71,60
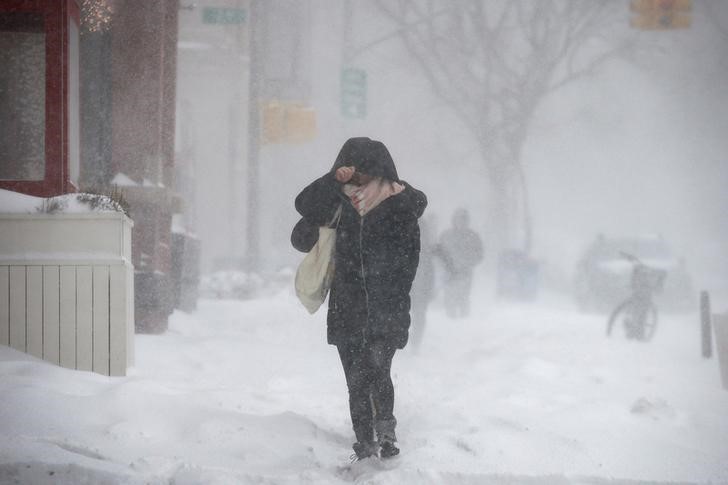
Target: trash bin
720,329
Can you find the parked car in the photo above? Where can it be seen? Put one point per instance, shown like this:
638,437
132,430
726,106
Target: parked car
603,275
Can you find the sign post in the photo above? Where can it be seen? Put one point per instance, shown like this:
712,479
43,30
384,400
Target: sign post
720,327
705,318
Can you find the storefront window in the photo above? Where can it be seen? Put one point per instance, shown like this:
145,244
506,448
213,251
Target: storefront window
22,96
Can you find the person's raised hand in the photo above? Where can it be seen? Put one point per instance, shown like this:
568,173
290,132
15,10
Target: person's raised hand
344,174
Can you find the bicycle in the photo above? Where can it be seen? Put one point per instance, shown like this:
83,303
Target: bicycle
638,313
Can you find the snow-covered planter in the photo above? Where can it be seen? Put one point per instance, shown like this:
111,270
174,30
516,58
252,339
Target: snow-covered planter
66,281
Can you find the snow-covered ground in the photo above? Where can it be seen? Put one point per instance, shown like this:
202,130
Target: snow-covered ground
249,392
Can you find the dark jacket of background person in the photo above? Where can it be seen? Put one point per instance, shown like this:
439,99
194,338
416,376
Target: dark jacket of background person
376,255
460,248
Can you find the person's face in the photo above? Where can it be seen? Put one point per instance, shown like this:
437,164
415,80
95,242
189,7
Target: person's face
361,178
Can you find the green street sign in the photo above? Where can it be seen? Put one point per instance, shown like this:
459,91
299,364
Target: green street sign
224,16
353,93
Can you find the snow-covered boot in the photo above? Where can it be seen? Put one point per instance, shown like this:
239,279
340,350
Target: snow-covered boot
364,449
387,437
388,449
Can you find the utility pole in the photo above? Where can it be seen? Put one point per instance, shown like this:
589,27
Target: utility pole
257,26
353,81
705,326
347,48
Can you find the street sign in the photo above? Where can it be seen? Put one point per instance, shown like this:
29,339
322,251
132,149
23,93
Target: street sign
300,124
224,16
661,21
661,14
353,93
286,122
643,6
273,123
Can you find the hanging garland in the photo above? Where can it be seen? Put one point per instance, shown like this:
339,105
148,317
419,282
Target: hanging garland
96,15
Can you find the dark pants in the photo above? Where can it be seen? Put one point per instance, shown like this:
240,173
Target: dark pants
371,393
457,295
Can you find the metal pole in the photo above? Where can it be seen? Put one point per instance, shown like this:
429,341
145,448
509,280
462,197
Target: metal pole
257,24
234,186
705,316
346,45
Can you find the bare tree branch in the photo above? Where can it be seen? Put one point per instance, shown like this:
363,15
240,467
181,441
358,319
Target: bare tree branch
713,15
494,62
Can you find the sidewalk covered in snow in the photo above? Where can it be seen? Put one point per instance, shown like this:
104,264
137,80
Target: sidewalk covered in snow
249,392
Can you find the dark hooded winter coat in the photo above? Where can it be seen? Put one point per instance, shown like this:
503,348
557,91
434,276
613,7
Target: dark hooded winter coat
376,254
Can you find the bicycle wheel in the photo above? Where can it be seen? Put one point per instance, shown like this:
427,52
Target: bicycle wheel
622,312
636,321
650,323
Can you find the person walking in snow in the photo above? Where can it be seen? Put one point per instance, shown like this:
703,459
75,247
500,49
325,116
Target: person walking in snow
376,257
461,250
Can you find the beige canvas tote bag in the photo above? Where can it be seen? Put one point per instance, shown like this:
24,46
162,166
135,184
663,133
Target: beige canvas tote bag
316,271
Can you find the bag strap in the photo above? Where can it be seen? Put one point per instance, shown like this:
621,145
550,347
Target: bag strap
336,218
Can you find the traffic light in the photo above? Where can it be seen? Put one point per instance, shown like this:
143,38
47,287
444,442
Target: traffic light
661,14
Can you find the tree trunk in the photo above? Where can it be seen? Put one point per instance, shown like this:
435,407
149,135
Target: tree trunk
508,212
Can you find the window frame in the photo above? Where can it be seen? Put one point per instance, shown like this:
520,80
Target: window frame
57,16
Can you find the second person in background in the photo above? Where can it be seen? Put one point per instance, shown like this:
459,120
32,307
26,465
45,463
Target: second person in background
461,249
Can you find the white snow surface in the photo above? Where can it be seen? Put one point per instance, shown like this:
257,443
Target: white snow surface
16,203
249,392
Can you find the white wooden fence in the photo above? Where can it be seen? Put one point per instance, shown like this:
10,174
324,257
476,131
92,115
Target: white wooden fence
66,289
